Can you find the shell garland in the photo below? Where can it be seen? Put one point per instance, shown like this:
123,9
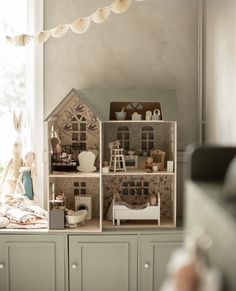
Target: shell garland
79,26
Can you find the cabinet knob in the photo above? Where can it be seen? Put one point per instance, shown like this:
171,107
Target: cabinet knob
146,265
2,266
74,266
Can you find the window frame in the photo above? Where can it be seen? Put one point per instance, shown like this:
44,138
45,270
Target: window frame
79,141
121,133
148,131
35,102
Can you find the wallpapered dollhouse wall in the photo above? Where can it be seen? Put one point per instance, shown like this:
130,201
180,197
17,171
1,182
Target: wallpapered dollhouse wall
86,186
76,125
136,137
136,190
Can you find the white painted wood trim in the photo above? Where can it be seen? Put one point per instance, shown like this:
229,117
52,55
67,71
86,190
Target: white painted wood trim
35,22
175,176
141,172
75,175
100,178
201,70
139,121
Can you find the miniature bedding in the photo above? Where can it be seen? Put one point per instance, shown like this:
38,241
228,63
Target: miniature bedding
17,211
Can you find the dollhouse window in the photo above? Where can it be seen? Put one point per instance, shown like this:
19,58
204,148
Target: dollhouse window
135,188
123,136
145,188
80,188
147,138
79,135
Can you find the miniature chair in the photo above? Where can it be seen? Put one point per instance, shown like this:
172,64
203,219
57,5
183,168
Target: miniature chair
158,157
117,161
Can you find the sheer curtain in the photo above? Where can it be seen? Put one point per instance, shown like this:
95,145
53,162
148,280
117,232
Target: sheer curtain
21,82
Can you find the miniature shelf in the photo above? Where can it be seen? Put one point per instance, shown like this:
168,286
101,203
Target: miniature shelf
74,175
90,226
136,224
138,121
137,172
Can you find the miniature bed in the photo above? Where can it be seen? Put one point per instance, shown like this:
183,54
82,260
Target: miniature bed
125,211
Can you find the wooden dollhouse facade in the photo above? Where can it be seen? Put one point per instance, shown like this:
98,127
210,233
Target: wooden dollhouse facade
79,128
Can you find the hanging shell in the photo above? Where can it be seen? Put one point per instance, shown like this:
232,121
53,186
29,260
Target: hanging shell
19,40
9,39
41,37
27,38
59,30
101,15
80,25
120,6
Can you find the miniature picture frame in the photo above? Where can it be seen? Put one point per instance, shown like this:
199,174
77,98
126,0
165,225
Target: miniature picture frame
170,166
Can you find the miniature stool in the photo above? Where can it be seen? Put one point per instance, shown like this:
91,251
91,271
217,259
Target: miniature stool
117,161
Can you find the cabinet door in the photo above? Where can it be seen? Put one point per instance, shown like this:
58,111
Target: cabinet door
103,263
32,263
155,253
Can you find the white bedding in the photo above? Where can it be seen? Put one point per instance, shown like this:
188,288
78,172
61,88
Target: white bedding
21,213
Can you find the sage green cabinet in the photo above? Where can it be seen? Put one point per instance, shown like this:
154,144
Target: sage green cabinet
103,263
155,254
32,263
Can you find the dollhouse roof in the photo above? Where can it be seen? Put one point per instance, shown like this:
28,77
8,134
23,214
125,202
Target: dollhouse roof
71,95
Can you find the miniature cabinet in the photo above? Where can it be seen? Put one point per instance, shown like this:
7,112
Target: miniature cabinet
74,127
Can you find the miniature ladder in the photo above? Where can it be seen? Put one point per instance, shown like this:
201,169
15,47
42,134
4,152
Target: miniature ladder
117,161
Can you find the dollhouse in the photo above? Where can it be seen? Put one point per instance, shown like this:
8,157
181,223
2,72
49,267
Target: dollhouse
116,169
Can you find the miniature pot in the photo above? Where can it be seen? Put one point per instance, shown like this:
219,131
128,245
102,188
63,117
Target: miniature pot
120,115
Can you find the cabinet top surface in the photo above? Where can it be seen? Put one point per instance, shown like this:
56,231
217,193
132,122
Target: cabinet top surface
167,231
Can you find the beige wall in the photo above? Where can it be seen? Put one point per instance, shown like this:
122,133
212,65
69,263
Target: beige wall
221,71
152,45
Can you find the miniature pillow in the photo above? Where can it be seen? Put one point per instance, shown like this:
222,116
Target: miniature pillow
3,222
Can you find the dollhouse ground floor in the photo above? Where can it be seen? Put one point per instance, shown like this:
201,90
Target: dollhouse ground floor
127,260
133,207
